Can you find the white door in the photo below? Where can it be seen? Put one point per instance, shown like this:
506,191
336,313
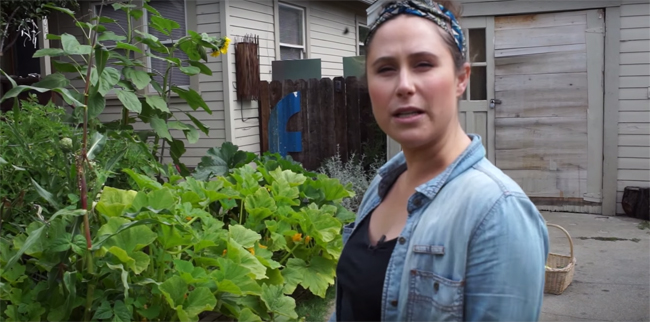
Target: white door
476,109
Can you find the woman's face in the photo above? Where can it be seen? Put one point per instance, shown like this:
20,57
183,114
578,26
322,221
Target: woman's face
412,81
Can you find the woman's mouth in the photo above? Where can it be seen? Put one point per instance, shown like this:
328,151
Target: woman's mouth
407,114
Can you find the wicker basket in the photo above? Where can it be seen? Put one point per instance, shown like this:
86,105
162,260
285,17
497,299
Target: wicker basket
559,268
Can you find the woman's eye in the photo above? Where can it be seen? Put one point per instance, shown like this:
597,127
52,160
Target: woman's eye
424,65
384,69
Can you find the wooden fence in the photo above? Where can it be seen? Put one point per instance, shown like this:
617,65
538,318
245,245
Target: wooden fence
334,114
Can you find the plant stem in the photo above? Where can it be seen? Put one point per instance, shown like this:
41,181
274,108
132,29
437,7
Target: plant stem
89,300
167,96
4,34
241,212
161,268
129,38
284,259
83,188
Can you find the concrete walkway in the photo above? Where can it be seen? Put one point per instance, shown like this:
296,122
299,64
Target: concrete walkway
612,276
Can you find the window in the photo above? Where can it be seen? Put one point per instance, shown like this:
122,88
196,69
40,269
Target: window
292,32
476,43
172,10
169,9
362,32
119,27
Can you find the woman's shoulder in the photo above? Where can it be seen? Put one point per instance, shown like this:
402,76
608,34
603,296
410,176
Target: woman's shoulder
485,189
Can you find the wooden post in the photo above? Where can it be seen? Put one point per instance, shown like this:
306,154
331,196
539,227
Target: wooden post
340,116
352,112
313,126
265,114
328,138
366,117
275,90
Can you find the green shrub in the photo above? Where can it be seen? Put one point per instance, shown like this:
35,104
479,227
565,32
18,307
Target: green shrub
38,162
239,245
353,173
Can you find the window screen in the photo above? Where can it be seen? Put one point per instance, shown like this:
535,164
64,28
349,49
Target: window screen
288,53
119,16
172,10
291,26
178,78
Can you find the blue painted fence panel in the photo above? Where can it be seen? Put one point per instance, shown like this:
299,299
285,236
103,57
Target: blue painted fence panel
280,140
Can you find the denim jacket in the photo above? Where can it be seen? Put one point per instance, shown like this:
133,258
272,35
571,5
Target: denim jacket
473,248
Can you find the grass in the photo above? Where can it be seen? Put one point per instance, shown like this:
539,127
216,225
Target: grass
644,225
313,308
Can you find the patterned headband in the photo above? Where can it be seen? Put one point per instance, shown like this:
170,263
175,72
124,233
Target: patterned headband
426,9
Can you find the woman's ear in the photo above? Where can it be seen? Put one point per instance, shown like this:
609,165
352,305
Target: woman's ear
462,79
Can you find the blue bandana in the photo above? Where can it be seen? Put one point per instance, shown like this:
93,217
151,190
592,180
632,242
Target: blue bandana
426,9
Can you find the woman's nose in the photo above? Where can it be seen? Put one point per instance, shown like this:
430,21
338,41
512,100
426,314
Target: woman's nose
405,86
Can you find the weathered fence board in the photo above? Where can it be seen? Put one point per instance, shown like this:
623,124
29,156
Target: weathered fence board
265,113
335,116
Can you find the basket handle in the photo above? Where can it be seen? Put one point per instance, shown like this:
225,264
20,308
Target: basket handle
567,235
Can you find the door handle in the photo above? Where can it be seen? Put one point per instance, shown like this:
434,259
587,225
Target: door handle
494,102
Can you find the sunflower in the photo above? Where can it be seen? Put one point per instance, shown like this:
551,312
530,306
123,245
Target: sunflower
224,47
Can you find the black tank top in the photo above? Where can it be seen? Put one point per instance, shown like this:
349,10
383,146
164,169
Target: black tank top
360,276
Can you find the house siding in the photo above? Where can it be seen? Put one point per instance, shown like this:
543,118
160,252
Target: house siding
325,40
634,102
250,17
328,43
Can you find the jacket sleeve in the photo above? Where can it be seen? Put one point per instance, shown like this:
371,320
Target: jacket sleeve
332,317
505,266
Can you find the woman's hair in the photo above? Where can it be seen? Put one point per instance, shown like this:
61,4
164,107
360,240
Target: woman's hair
456,54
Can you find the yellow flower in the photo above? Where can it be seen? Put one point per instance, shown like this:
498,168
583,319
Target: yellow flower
307,239
252,250
188,218
263,246
215,53
297,237
224,252
224,47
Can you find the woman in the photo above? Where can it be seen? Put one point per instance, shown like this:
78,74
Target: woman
441,233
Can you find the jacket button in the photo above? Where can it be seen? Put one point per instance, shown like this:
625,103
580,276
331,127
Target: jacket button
393,303
436,286
402,240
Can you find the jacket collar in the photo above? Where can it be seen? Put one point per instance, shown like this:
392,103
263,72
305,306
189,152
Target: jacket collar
389,172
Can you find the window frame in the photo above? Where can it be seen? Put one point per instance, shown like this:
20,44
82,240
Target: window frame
360,42
467,95
303,52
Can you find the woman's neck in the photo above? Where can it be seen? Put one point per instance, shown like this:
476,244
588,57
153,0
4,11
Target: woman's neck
425,163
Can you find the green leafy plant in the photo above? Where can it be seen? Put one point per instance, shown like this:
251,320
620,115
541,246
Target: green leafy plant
39,165
238,246
219,161
91,61
357,172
